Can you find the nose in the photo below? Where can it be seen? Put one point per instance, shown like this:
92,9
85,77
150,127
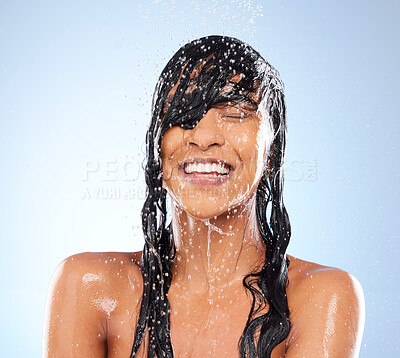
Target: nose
207,132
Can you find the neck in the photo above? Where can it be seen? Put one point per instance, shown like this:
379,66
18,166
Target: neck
214,254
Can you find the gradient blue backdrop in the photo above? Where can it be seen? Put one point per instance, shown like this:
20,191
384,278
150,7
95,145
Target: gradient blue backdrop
76,79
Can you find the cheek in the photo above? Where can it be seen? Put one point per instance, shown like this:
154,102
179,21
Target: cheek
252,165
168,144
171,143
250,146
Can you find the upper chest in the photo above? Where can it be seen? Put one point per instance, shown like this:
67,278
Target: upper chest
203,326
199,327
211,327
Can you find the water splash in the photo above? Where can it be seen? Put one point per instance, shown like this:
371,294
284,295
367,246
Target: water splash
330,328
90,278
105,304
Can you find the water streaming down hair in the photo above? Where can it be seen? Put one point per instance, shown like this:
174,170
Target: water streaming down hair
201,73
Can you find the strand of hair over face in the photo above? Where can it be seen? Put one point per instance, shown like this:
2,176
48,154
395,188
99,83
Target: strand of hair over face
195,80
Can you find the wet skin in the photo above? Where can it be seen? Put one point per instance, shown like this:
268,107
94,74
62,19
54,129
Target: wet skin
96,317
94,298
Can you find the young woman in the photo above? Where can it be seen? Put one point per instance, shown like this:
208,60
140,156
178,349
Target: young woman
213,278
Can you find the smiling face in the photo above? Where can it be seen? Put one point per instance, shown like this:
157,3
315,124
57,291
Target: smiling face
216,166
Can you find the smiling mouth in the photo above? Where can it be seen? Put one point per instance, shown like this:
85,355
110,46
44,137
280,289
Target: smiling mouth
206,168
207,171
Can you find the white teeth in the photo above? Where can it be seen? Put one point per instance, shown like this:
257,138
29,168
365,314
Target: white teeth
206,168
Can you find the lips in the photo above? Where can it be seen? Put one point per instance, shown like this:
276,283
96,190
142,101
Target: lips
206,171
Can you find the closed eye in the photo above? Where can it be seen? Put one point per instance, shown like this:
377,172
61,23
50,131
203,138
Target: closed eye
234,114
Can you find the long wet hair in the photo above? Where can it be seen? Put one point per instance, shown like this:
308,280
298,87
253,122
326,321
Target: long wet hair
201,74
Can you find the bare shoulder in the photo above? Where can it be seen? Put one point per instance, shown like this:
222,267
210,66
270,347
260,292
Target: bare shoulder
326,310
301,272
308,279
96,273
106,263
86,291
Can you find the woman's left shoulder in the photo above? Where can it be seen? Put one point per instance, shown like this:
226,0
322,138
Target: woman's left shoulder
327,304
317,277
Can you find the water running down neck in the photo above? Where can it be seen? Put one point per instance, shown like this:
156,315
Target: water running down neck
211,227
213,255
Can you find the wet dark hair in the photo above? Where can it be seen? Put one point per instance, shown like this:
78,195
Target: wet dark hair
198,77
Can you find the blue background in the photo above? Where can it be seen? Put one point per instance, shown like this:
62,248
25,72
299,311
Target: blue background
76,80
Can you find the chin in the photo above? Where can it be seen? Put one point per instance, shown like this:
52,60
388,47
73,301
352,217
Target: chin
204,210
209,209
204,205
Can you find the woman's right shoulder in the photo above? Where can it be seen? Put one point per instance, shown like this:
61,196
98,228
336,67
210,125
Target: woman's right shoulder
102,274
86,291
105,261
101,268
